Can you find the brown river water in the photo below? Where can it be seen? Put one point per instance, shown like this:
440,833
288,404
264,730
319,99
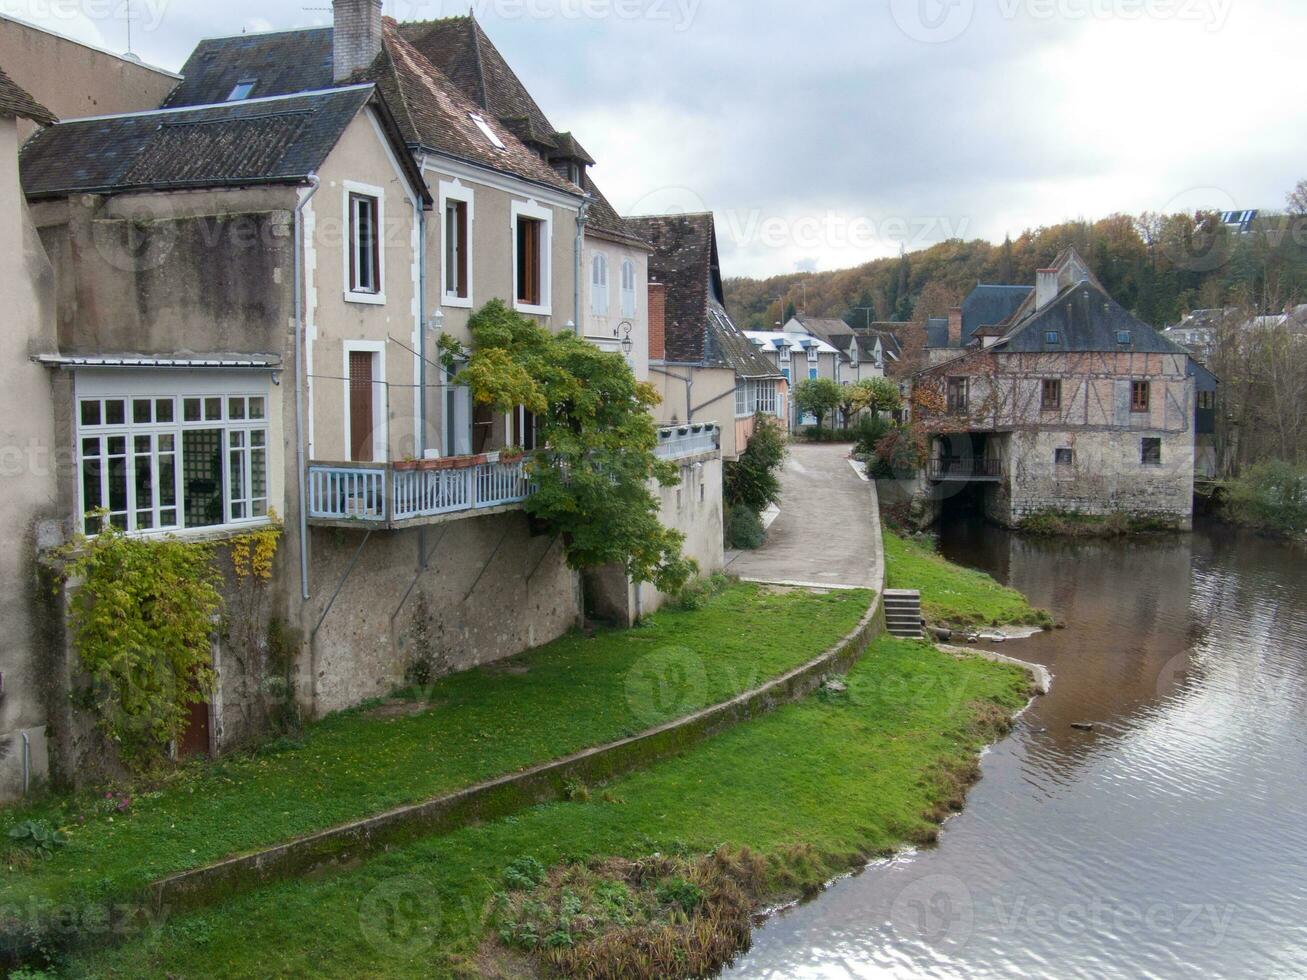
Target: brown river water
1170,841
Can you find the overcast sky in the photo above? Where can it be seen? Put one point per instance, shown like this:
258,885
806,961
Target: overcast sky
825,133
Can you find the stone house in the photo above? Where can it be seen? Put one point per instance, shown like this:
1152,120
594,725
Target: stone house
798,356
249,285
1072,405
705,368
42,76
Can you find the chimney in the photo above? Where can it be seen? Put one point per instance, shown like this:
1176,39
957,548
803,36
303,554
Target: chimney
657,321
1045,287
356,40
955,326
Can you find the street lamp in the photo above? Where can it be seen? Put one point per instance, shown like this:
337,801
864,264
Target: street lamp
627,344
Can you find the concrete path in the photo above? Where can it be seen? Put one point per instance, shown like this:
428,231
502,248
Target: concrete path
828,533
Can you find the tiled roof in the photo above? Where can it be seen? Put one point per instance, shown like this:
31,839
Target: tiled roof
1085,318
884,331
698,328
264,141
990,306
15,101
605,222
431,110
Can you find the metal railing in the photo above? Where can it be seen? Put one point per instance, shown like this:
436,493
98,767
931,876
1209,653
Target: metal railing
382,494
965,468
691,439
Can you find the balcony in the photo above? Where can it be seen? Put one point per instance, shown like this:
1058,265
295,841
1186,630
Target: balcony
690,439
391,496
396,495
965,468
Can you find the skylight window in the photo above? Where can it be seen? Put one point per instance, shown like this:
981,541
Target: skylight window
486,131
1052,337
1123,337
242,89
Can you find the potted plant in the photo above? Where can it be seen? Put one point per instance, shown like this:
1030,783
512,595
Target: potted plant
511,454
407,464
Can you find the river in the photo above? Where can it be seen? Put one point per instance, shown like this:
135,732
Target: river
1170,841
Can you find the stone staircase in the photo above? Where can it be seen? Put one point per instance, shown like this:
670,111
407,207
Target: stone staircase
903,613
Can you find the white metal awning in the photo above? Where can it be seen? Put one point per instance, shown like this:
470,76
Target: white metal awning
265,362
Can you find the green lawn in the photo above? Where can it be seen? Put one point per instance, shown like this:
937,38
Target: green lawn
953,594
571,694
816,786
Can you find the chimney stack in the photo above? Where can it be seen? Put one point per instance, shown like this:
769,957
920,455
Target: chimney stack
955,326
356,40
1045,287
657,321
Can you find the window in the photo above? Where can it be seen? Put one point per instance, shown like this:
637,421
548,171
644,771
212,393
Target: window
1052,337
524,428
242,89
785,353
957,395
628,288
1140,396
169,462
1207,400
786,373
1064,457
457,241
532,232
812,374
812,354
599,284
765,397
364,245
486,131
1123,337
1051,396
1150,451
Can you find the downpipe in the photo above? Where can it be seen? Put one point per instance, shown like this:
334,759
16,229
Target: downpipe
300,381
582,217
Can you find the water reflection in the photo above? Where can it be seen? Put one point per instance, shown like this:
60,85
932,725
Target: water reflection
1170,841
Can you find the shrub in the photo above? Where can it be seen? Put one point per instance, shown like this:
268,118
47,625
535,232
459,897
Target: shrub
37,836
1270,496
870,430
744,528
524,874
752,479
696,594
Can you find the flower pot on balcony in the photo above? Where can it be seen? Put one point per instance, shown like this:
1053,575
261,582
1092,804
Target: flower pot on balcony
511,454
407,465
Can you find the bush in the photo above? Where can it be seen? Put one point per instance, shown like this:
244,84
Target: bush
870,430
752,480
1270,496
811,433
744,528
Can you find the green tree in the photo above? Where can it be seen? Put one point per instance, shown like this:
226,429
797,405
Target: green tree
818,396
752,480
593,479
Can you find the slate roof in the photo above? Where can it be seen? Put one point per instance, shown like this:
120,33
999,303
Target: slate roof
937,331
698,328
431,110
278,140
15,101
884,331
605,222
280,63
1085,318
827,329
990,305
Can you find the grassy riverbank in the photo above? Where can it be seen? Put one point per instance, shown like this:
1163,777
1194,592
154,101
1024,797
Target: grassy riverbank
812,790
571,694
952,594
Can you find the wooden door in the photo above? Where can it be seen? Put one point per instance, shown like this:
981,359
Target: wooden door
360,406
195,740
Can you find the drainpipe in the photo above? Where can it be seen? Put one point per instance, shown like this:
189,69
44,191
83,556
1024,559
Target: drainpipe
300,381
582,215
27,762
420,216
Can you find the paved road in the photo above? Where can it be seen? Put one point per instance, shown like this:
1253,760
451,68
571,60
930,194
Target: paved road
826,534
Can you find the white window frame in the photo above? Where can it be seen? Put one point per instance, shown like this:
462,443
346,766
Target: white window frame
742,400
176,387
350,187
785,353
599,284
456,190
538,212
381,439
765,397
629,292
812,354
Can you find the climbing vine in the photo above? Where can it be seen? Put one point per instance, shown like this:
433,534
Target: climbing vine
594,417
141,617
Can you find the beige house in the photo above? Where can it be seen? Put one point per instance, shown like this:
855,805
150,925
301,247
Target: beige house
251,283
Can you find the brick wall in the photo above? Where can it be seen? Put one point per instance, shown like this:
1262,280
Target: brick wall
657,321
357,39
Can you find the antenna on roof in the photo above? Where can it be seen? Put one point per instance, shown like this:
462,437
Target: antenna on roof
128,6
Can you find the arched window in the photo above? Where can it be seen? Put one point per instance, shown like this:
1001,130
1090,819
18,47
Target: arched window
599,284
628,288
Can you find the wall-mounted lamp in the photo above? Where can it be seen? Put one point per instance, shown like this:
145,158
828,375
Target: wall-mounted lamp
627,344
436,322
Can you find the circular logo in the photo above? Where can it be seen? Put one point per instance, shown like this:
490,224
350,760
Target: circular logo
934,909
669,200
400,917
933,21
666,684
137,241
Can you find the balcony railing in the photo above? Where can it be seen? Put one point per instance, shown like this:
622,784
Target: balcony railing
965,468
386,495
690,439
